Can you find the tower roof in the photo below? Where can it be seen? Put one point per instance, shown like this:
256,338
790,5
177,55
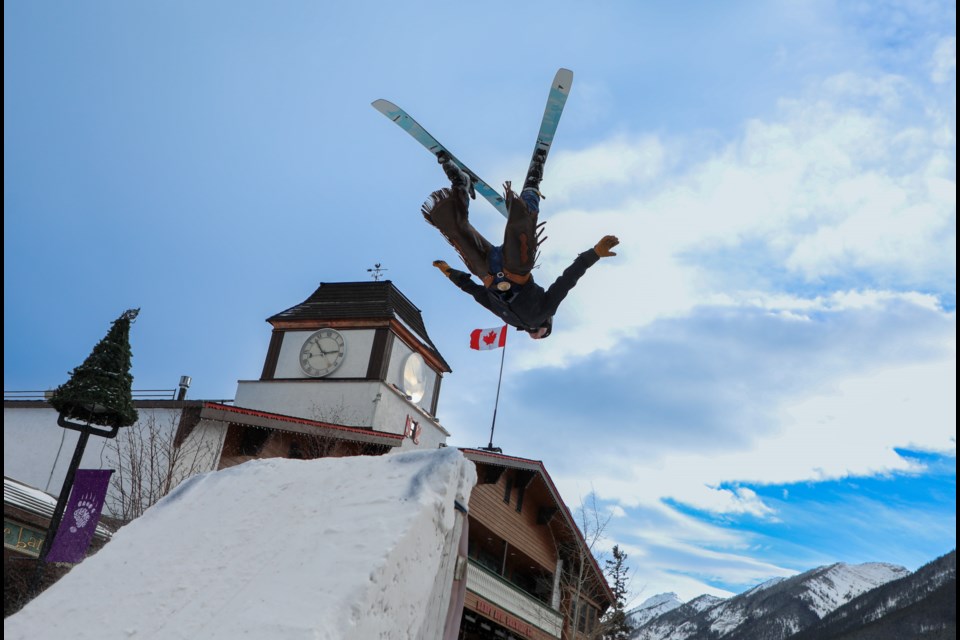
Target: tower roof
378,300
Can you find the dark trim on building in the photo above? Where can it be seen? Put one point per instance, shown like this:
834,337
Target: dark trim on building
273,356
189,418
380,355
435,400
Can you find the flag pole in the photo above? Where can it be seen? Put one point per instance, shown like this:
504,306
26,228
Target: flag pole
493,425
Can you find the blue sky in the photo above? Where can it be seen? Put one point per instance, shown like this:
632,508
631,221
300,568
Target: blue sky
762,381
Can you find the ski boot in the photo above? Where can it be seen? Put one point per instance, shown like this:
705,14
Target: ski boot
535,172
458,178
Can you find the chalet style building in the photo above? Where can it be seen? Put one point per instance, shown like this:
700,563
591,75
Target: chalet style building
525,550
352,371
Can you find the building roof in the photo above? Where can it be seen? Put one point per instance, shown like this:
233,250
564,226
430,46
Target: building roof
512,462
280,422
381,300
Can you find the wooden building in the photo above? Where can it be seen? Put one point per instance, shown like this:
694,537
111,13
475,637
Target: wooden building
530,573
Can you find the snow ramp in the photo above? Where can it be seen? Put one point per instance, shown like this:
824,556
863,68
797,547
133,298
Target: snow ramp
355,548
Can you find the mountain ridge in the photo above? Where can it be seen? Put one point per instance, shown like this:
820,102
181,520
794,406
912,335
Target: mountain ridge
809,605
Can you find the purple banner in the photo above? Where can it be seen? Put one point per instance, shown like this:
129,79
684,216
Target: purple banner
81,515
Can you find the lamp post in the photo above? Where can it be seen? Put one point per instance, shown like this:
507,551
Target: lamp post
86,430
98,396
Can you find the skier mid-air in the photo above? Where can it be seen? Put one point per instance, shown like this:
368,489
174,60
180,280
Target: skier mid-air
507,288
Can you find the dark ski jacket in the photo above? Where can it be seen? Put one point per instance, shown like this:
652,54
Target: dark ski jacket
528,306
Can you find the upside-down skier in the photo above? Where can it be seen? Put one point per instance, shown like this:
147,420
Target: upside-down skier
508,288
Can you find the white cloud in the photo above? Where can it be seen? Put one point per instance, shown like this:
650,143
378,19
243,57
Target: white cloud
849,183
619,162
678,553
848,430
944,63
851,429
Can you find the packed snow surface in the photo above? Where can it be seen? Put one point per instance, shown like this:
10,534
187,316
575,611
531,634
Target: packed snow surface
336,548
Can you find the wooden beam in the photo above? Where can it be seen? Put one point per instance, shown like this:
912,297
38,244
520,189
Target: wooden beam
491,474
545,514
523,478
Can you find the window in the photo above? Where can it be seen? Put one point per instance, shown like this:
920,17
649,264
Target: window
296,451
587,617
486,548
252,441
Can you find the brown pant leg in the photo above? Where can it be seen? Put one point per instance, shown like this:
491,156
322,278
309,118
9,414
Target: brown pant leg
447,210
519,238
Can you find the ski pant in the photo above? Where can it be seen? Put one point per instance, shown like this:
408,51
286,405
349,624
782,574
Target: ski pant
448,210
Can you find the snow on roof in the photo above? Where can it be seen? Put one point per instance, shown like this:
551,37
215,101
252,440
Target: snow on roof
335,548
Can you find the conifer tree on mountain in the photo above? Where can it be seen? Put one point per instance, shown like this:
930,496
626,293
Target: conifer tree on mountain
615,623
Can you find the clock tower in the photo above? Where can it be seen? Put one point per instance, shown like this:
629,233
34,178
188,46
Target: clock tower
355,354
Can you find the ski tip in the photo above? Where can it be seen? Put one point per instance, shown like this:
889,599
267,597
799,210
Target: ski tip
380,104
563,79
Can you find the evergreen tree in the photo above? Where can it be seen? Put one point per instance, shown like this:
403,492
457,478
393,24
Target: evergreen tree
98,391
616,625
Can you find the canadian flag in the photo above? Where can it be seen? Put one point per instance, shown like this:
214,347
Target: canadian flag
484,339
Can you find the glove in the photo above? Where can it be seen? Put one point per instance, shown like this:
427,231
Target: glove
603,247
443,266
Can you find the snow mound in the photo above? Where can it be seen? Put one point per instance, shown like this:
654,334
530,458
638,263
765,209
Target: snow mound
330,549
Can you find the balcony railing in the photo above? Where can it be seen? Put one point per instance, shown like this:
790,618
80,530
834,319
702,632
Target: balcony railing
498,591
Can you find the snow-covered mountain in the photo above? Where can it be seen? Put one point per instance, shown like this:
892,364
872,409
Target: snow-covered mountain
923,604
774,610
704,602
652,608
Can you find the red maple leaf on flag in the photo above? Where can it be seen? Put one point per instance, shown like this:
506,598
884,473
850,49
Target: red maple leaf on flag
484,339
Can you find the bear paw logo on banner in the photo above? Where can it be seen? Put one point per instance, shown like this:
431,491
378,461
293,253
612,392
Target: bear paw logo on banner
84,511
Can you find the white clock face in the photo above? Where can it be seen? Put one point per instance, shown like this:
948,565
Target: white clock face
322,353
414,377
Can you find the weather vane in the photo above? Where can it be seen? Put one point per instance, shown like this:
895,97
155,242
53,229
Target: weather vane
376,271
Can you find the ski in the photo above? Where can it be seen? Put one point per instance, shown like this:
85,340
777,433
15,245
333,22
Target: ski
421,135
559,91
556,100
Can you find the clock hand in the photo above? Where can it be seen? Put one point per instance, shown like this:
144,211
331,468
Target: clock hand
321,349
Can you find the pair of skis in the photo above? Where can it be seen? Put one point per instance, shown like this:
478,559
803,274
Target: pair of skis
559,91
